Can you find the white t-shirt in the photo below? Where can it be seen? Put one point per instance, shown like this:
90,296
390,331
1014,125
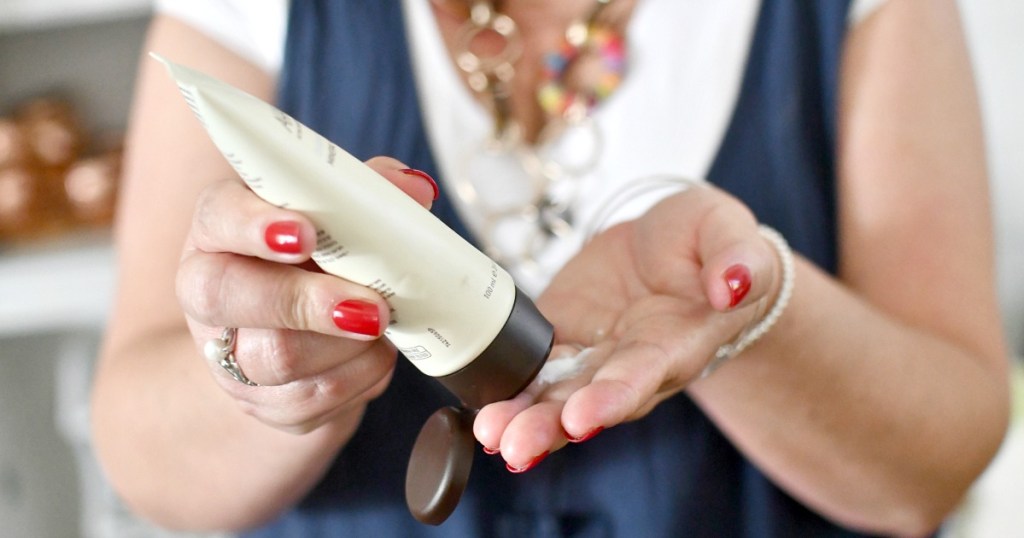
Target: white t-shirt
699,82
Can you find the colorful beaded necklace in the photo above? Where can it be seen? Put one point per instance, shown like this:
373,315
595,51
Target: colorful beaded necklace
575,77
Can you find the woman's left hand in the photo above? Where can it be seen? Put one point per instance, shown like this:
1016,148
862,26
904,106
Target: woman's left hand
649,301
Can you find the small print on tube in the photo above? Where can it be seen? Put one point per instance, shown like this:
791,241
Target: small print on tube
456,314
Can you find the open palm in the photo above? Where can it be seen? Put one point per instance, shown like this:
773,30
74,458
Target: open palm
647,304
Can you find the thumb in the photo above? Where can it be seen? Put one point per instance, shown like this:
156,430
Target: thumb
416,183
738,265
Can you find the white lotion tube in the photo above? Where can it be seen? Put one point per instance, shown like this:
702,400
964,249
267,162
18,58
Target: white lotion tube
455,314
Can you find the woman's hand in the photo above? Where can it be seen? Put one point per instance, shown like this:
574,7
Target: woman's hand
648,302
308,339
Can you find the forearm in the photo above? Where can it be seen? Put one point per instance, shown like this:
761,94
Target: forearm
203,463
875,423
176,447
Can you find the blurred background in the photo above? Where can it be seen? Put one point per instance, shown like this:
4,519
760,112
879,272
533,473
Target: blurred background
66,72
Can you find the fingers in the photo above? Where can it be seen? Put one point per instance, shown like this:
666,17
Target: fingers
524,430
304,380
230,218
659,317
415,183
614,383
738,266
533,434
275,357
626,387
245,266
226,290
706,231
493,420
221,289
528,427
308,402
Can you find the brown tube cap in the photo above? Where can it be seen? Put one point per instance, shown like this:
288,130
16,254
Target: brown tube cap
439,465
510,363
443,454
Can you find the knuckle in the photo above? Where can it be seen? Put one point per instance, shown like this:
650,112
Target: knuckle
250,409
299,428
300,303
291,302
363,373
289,419
199,286
331,388
205,213
304,403
284,357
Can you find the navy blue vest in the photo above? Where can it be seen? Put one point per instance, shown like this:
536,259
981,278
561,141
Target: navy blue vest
347,75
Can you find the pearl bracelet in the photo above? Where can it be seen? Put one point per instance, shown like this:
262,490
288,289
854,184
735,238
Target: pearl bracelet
753,332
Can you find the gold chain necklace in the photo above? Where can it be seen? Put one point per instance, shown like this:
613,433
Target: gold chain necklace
574,79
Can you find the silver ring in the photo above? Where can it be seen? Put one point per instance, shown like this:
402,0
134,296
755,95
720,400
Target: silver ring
222,351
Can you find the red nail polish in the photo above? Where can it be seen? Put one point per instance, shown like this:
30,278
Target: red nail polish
424,175
491,451
533,463
283,237
737,278
357,316
587,436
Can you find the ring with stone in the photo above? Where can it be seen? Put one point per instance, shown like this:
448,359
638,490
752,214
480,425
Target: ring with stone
222,351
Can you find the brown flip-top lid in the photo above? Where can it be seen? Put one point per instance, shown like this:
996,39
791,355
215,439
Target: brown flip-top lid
440,464
442,457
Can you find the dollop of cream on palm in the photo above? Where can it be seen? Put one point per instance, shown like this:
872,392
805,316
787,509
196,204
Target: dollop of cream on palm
563,367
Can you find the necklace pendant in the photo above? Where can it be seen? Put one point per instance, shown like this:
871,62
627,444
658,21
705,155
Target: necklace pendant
554,218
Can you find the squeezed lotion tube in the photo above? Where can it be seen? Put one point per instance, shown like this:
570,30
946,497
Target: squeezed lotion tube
455,314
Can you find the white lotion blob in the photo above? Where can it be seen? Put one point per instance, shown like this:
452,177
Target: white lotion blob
562,368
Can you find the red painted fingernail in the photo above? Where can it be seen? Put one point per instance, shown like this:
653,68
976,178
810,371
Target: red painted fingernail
585,437
424,175
533,463
491,451
283,237
737,278
357,316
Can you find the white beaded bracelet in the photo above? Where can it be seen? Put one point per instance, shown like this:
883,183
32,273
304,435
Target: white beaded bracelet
754,332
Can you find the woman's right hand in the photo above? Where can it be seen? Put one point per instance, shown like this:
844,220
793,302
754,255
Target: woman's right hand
309,340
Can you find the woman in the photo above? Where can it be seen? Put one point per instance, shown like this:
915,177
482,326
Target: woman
870,405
